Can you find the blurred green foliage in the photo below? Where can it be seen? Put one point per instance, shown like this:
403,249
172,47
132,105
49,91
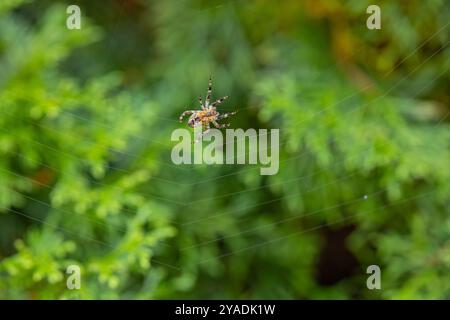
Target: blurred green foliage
86,176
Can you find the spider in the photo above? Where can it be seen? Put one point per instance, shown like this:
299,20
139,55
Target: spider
207,114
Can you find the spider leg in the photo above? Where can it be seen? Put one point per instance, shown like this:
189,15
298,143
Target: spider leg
208,95
200,100
219,101
220,126
186,113
226,115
